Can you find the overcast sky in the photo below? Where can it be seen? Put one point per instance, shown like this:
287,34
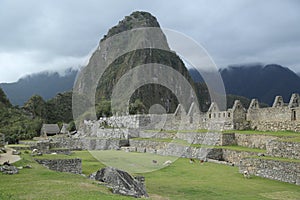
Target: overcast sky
58,34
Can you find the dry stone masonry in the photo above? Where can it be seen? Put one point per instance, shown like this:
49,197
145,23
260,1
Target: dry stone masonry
280,117
273,169
175,135
62,165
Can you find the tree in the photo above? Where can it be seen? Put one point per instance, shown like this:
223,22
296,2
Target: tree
137,107
36,106
103,108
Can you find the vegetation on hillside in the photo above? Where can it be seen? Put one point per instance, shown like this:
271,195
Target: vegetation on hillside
16,123
26,122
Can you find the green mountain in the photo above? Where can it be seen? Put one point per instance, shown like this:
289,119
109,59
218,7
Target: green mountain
16,123
25,122
44,84
148,94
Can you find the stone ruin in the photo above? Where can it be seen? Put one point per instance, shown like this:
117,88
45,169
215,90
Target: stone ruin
280,117
121,182
120,133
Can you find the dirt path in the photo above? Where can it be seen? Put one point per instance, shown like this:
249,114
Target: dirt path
9,157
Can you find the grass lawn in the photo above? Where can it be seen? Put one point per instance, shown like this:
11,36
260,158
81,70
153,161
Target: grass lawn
41,183
132,162
272,133
212,181
180,180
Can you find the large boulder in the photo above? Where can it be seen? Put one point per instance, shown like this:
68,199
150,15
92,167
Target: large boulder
9,169
121,182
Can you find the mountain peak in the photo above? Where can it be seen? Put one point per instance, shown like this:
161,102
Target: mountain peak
137,19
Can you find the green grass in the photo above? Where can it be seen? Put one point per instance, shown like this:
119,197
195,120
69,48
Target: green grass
211,181
56,156
180,180
241,148
41,183
132,162
277,159
18,146
272,133
291,139
185,143
155,139
178,131
33,141
89,163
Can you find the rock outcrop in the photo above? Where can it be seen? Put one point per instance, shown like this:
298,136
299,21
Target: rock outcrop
9,169
121,182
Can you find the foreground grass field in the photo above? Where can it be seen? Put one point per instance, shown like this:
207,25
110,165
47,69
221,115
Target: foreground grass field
181,180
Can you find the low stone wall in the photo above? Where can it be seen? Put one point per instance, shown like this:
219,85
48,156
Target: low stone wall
61,151
272,169
209,138
128,121
235,157
228,139
62,165
155,134
96,129
284,149
87,143
174,149
253,141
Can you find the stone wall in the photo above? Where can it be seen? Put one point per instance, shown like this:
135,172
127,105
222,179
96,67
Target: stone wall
275,125
62,165
128,121
284,149
215,138
174,149
228,139
272,169
96,129
253,141
208,138
234,156
154,134
270,114
87,143
64,144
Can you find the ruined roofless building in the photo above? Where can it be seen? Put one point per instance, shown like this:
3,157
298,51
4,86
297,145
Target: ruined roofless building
280,117
49,130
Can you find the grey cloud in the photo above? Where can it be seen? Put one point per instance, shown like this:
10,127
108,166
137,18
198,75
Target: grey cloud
232,31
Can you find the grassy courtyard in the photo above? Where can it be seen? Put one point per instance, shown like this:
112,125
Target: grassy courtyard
180,180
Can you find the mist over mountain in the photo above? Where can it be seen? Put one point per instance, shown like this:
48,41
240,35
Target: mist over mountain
258,81
45,84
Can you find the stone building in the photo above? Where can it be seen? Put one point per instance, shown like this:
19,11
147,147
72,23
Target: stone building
280,117
64,129
49,130
233,118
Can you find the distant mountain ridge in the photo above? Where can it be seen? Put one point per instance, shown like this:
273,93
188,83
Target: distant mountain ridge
45,84
258,81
